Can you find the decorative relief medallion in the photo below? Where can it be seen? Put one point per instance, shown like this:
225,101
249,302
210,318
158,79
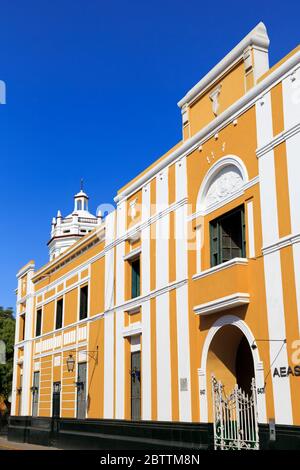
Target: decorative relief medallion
226,182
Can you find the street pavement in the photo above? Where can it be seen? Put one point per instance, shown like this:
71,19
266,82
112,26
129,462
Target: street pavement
9,445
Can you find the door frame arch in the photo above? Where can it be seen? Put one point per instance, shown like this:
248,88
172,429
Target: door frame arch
258,366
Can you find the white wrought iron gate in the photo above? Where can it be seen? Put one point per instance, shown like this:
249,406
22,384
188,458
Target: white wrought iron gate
235,418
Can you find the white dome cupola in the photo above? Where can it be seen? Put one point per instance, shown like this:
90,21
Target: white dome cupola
65,231
81,202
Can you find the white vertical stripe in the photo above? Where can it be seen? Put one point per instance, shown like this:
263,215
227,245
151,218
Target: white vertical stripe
181,242
145,241
291,99
183,351
293,169
264,125
164,397
109,262
268,198
162,231
109,365
146,362
275,308
120,362
109,321
250,229
181,179
120,297
183,340
146,312
162,251
162,190
146,202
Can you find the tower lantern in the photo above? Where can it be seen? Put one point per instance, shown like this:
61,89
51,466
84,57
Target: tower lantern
65,231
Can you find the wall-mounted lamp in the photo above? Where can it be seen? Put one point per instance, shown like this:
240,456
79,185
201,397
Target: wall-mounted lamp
70,363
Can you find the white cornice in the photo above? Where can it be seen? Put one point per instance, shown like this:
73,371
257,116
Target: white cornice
223,303
225,118
25,269
257,37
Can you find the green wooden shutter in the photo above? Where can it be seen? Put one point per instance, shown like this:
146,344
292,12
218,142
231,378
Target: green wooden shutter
214,243
135,278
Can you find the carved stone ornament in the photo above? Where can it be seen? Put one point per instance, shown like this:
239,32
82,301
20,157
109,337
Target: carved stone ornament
228,181
214,97
132,205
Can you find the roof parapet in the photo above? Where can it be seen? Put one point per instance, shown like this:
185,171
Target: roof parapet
257,37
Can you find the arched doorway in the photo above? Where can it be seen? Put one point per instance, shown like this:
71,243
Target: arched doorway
230,359
221,360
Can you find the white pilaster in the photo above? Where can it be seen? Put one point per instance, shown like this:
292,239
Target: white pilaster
146,315
109,320
120,297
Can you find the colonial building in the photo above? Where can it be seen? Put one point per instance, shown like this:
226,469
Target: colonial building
195,273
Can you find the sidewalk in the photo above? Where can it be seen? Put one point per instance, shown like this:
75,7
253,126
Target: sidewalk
9,445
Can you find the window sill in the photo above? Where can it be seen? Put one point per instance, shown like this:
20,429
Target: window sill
220,267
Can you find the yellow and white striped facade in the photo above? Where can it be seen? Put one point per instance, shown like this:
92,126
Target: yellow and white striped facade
240,148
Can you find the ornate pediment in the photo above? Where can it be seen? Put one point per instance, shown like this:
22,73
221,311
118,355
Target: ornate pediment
227,182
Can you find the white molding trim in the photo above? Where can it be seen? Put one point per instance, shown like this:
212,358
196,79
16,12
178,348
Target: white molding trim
257,37
220,267
278,139
223,303
281,243
131,330
225,118
132,254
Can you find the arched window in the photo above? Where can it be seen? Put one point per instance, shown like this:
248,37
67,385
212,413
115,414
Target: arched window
223,183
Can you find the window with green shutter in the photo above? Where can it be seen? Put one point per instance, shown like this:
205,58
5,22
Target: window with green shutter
83,306
227,237
59,313
38,326
135,278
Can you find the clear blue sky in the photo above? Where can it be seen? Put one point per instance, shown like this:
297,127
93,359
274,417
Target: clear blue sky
92,87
